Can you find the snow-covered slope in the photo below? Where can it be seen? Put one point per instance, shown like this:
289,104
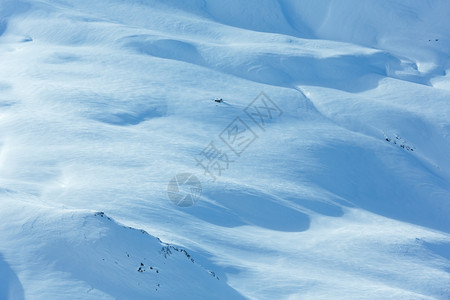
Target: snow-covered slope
91,256
343,192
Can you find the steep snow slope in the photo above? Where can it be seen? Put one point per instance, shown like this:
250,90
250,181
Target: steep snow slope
343,193
90,256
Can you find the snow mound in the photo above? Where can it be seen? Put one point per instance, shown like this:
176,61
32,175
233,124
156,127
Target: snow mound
107,260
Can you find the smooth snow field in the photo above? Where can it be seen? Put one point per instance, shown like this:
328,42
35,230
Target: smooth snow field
324,173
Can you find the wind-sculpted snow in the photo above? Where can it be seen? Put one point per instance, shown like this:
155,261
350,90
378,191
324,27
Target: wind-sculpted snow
164,48
340,189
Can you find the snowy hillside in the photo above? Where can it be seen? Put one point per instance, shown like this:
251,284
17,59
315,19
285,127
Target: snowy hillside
329,173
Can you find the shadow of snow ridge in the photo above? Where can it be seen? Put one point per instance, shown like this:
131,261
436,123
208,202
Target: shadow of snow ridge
10,285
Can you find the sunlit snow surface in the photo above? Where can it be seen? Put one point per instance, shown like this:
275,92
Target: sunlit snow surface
343,193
